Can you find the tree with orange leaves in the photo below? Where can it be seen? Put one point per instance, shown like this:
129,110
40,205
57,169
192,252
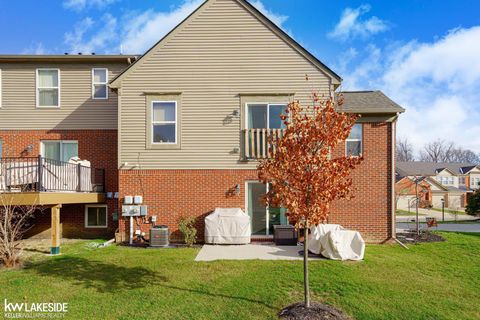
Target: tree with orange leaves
304,176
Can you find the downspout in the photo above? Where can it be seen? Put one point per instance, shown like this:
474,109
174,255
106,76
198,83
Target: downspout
393,156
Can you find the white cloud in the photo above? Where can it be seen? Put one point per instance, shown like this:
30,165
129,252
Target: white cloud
139,31
79,5
35,48
351,26
278,19
438,83
89,36
145,29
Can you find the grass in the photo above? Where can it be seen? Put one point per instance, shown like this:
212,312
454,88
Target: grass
450,211
401,212
429,281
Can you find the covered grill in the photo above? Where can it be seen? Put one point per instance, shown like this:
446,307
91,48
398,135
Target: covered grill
227,226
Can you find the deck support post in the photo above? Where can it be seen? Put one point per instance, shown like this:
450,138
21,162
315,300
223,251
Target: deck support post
55,211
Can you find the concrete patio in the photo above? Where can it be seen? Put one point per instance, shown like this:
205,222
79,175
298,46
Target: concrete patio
250,252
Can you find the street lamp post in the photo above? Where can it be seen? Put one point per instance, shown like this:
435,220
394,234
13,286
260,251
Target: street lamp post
443,210
416,206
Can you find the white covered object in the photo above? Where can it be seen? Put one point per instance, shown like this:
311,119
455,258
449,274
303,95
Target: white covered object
317,234
227,226
343,245
333,242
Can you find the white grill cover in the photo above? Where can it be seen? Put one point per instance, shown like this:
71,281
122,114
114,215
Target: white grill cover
333,242
227,226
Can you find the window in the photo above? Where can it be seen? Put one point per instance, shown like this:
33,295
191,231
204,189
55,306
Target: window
1,149
451,181
164,122
99,83
353,144
474,182
265,115
461,180
48,88
96,216
59,150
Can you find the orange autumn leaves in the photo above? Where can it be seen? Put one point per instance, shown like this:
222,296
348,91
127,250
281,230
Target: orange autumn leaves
303,174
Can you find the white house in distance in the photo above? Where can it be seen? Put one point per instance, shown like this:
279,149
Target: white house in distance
450,182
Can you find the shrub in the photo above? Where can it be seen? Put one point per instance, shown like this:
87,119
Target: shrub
473,206
187,228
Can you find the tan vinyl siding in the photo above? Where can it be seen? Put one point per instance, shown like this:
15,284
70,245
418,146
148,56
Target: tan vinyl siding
221,53
77,108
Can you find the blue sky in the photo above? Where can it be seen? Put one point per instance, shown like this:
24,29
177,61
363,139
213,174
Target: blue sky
424,54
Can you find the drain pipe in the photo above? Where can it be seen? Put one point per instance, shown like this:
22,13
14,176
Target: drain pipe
130,240
394,133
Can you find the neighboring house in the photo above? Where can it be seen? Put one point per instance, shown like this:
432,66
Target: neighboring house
407,189
184,126
450,182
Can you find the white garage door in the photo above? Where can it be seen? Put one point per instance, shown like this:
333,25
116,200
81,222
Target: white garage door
437,200
454,201
404,201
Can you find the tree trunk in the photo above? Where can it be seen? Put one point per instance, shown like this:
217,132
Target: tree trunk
306,286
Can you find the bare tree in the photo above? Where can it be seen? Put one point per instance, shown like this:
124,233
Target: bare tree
464,155
15,221
437,151
442,151
404,150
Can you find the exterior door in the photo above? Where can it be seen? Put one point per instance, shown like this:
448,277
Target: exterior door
263,218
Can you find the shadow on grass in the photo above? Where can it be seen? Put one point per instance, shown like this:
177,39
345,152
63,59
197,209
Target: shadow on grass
110,278
103,277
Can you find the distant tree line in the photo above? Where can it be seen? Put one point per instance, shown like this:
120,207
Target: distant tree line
436,151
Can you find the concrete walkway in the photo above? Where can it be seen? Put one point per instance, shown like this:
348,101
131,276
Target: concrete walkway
249,252
454,227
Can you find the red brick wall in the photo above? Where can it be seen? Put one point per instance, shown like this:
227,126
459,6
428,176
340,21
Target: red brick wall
97,146
170,194
370,210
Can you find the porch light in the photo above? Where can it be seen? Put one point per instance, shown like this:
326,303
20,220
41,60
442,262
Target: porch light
237,189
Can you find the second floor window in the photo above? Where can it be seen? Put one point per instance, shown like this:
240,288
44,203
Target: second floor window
164,122
48,88
461,180
99,83
353,144
265,116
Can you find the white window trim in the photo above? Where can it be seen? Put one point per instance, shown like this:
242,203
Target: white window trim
42,146
99,83
268,104
361,143
164,122
36,89
96,206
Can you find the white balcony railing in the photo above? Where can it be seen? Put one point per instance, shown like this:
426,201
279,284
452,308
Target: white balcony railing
256,143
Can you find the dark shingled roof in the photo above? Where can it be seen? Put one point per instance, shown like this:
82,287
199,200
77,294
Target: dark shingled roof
431,168
368,102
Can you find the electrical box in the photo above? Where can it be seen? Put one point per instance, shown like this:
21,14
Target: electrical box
138,199
128,200
134,211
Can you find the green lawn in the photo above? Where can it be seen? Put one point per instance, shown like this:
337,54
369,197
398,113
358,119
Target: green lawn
401,212
450,211
429,281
